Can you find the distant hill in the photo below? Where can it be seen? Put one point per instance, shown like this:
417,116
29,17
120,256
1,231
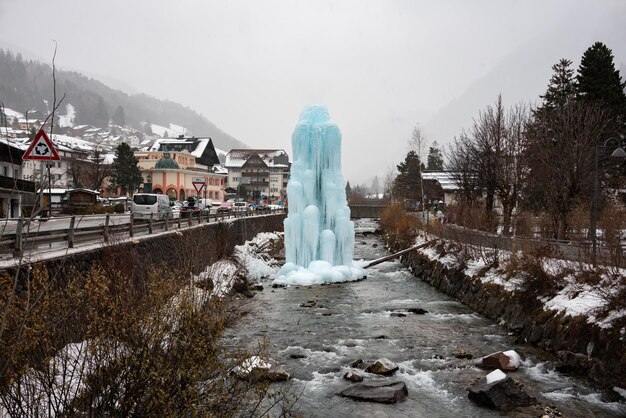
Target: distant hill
27,85
522,76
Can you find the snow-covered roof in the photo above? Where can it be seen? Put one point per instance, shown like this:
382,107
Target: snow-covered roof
447,179
172,130
13,113
200,144
238,157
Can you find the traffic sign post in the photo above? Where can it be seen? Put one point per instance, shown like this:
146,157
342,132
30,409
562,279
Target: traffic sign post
42,149
198,184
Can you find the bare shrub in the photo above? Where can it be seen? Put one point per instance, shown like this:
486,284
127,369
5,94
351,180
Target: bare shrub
524,224
612,222
401,228
100,344
537,282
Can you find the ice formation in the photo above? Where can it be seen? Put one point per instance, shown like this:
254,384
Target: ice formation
319,236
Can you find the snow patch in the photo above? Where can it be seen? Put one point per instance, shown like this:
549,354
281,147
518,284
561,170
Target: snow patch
495,376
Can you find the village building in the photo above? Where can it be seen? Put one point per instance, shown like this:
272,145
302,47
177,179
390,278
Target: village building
15,193
441,187
258,174
172,165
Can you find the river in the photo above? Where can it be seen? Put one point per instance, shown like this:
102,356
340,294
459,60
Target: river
353,321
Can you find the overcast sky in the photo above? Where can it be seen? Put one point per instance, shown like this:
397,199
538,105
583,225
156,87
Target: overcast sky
250,67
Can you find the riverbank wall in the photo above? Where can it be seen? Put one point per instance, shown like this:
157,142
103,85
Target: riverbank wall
581,346
187,250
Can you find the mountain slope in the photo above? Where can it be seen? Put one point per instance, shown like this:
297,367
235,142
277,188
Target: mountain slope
27,85
521,77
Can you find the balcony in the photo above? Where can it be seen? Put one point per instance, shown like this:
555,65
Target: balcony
19,185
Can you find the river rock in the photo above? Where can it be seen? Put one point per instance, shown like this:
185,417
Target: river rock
417,311
461,353
498,391
308,304
358,364
398,314
382,392
503,360
352,376
257,369
383,367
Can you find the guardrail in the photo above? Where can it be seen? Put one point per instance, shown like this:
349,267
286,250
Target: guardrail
70,231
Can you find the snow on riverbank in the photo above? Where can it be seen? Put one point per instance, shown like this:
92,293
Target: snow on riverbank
582,289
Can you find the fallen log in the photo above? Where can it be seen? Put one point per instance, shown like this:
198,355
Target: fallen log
398,254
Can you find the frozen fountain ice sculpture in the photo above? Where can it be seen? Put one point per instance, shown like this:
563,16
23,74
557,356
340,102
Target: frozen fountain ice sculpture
319,236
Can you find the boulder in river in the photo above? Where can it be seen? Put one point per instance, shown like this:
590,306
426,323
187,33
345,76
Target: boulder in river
417,311
308,304
358,364
352,376
382,392
503,360
383,367
257,369
398,314
461,353
498,391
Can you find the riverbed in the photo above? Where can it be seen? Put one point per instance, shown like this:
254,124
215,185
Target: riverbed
369,319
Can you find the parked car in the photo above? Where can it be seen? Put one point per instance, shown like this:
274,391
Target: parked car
262,208
242,207
145,205
176,209
226,207
194,206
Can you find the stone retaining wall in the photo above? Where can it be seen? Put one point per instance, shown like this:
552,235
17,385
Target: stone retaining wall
185,250
568,337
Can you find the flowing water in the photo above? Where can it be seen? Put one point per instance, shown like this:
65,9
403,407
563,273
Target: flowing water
353,321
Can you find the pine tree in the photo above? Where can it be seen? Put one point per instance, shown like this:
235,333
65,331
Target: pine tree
599,81
348,190
561,88
125,169
408,182
434,160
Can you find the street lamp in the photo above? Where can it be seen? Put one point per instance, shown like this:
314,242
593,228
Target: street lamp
618,153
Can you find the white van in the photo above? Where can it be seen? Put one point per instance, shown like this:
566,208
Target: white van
144,204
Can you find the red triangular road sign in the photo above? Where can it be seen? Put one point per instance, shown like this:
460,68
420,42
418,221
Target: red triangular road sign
41,149
198,186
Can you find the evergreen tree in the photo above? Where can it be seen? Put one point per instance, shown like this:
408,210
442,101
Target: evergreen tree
561,88
599,81
408,182
119,118
125,169
348,190
435,158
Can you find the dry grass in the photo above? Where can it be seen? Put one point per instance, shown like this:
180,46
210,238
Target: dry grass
103,343
400,228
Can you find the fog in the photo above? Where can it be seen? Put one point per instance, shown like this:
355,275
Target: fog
380,67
